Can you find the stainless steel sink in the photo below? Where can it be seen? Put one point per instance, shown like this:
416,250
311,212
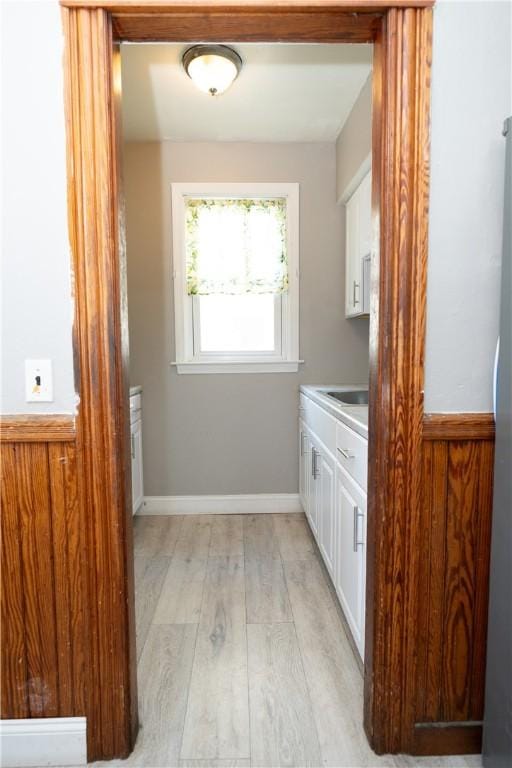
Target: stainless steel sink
352,397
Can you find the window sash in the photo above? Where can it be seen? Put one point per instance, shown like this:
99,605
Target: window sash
246,271
278,353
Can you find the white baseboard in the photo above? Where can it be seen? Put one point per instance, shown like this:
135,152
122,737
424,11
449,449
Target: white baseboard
241,504
45,741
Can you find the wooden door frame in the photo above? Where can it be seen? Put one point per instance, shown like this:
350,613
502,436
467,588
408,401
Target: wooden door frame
402,37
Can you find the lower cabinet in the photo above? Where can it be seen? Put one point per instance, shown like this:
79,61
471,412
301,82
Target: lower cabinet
325,507
308,475
335,506
350,535
136,452
303,463
313,489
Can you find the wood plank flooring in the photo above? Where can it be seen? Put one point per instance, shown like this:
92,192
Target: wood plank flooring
217,720
243,657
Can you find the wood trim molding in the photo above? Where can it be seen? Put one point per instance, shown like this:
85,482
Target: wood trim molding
401,109
250,21
216,26
95,210
449,739
400,208
458,426
37,428
241,6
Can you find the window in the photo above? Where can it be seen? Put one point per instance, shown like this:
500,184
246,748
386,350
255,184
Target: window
236,281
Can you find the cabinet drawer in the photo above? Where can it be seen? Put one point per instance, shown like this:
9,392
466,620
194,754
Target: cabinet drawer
352,454
319,421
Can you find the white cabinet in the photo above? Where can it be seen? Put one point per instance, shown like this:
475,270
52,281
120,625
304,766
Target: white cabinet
352,260
352,453
303,463
332,483
314,488
364,193
326,509
321,497
136,451
307,480
358,244
350,573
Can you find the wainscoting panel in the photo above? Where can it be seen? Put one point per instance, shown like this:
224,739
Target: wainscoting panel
452,619
43,653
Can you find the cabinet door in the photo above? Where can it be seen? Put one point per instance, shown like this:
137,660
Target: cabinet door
314,486
365,215
306,475
136,449
353,294
350,578
358,244
365,239
303,468
325,506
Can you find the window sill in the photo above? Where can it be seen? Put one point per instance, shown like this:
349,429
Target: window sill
199,366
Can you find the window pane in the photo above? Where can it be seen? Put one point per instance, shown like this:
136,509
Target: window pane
236,246
237,323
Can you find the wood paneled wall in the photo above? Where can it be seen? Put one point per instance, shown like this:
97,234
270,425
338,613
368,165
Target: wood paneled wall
454,574
43,611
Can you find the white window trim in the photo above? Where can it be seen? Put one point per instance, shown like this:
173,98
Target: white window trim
188,362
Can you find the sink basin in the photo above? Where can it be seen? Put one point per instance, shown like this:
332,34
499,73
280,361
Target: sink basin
353,397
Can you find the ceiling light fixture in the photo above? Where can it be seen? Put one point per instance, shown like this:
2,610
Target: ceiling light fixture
212,67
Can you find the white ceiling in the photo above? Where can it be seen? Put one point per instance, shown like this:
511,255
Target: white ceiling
283,93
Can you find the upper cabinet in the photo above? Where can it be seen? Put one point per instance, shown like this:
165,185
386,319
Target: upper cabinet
358,243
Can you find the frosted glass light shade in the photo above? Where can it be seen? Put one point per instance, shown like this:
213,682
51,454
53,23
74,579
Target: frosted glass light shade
212,68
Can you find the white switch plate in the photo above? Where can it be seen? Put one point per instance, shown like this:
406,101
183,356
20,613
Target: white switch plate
38,381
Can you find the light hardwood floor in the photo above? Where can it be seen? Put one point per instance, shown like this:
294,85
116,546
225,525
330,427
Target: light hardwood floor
243,656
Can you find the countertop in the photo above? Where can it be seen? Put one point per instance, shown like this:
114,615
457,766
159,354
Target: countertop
354,416
137,390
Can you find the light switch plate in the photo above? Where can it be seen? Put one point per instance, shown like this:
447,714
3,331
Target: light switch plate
38,381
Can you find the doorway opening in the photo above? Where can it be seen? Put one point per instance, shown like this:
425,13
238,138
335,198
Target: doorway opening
248,228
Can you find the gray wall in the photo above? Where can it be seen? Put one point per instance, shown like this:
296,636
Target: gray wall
36,287
471,96
354,142
232,433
